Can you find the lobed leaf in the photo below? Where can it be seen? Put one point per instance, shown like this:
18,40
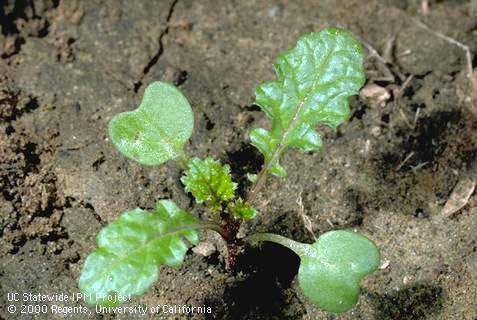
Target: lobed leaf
131,249
158,130
242,210
209,182
314,81
332,267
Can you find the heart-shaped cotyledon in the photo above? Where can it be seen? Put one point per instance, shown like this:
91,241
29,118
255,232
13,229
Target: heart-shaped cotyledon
332,267
157,130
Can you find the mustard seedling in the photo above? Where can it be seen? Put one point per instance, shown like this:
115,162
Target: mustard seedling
314,81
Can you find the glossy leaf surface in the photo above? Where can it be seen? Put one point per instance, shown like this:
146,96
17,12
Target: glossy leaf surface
209,181
314,81
242,210
131,249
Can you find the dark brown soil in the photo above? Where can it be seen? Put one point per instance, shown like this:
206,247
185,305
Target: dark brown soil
67,66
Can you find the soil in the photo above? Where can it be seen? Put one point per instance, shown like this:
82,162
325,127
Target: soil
67,66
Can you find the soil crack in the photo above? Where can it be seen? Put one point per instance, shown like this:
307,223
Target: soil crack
160,51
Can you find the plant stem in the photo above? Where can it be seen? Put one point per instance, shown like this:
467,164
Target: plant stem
228,231
300,249
211,225
202,224
182,160
262,176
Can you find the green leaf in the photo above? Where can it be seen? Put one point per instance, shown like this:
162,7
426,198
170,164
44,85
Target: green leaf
209,182
156,131
242,210
131,249
314,81
332,267
252,177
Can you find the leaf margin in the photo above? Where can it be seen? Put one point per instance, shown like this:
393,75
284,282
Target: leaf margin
90,282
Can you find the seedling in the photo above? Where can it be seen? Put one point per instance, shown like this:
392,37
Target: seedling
314,81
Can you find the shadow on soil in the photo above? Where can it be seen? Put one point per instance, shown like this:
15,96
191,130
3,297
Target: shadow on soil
246,159
426,143
263,294
419,301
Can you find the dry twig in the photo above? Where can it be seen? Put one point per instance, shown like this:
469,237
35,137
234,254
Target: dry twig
409,156
425,7
305,218
466,49
374,53
399,92
459,197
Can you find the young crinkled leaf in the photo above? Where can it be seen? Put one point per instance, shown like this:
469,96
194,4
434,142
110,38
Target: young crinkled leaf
209,182
131,249
158,130
242,210
314,81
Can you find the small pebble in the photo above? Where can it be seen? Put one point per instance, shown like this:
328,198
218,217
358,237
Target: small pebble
376,131
385,265
204,249
374,95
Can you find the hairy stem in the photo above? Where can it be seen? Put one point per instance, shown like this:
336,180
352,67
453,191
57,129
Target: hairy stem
300,249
